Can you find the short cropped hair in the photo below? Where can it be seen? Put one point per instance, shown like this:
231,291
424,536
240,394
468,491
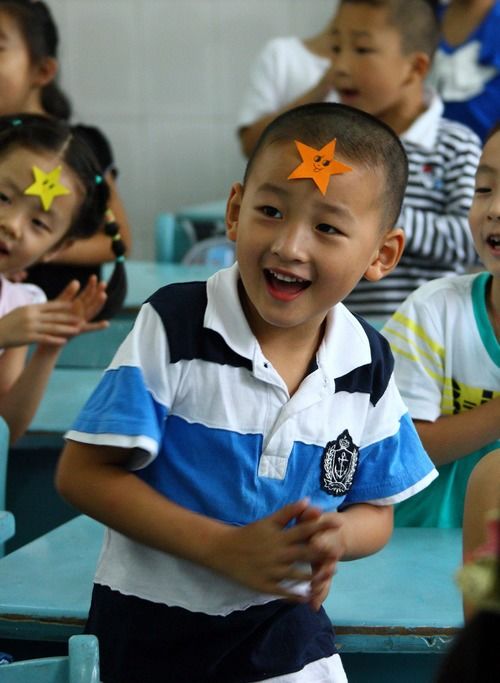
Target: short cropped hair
415,20
360,138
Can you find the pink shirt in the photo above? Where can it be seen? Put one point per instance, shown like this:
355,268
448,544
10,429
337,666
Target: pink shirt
16,294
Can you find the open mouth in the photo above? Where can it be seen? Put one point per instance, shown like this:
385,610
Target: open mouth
493,241
348,93
283,285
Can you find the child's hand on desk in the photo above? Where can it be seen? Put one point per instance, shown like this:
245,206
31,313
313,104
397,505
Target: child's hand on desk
329,546
264,555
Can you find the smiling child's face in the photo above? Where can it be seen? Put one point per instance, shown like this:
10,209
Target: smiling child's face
299,252
484,215
28,233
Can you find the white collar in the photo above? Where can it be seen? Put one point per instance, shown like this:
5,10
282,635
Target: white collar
423,131
344,346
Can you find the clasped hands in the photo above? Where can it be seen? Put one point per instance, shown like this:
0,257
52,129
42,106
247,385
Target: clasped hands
270,556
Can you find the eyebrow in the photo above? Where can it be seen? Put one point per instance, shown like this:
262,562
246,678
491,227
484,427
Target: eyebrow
485,168
356,33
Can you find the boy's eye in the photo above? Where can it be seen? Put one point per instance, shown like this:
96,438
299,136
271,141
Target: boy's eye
40,224
271,212
327,229
482,190
364,50
3,197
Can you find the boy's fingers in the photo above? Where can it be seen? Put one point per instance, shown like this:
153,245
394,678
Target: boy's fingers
311,513
305,530
289,512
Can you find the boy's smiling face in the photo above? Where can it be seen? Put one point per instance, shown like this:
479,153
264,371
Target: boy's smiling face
299,252
484,215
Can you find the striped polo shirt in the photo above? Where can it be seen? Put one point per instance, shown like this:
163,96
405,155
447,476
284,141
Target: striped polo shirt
214,429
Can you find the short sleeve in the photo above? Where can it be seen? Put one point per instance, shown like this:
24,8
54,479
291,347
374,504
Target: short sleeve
416,338
129,406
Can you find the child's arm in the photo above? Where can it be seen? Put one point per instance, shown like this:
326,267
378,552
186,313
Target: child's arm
260,555
250,134
50,325
452,437
358,531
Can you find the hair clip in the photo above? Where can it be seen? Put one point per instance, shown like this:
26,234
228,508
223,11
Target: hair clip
47,186
318,164
98,179
16,122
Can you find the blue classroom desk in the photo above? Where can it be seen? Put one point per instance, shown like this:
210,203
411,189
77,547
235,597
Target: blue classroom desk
400,600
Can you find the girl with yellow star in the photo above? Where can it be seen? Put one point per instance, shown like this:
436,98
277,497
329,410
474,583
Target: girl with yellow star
51,194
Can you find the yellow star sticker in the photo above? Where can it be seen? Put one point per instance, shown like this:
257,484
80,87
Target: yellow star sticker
318,164
47,186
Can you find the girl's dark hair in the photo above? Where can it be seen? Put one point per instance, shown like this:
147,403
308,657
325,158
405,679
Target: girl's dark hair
41,134
40,33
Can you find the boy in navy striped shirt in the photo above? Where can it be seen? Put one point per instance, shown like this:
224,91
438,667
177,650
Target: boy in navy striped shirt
248,434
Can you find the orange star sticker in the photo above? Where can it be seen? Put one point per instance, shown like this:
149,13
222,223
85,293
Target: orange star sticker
318,164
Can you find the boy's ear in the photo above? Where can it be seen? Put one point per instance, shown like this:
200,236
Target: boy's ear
387,255
46,71
55,251
233,211
420,64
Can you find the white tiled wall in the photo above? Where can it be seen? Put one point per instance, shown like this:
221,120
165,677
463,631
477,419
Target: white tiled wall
163,79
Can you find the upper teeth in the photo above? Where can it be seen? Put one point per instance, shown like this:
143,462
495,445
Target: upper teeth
286,278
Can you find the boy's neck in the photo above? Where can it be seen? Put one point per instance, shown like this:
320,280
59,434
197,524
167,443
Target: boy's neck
402,117
291,355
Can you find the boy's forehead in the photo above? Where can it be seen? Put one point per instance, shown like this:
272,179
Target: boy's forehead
277,161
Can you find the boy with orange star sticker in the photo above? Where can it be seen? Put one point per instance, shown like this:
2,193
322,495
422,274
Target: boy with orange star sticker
248,434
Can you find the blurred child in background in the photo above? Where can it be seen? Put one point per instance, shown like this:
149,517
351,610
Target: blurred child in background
382,53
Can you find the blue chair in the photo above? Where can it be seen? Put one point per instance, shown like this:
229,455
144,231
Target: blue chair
80,666
214,251
173,238
7,526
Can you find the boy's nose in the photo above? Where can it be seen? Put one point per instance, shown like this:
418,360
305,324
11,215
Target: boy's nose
290,243
10,225
340,62
494,208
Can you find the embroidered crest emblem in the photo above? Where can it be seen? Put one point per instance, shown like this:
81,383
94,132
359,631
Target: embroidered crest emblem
338,465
